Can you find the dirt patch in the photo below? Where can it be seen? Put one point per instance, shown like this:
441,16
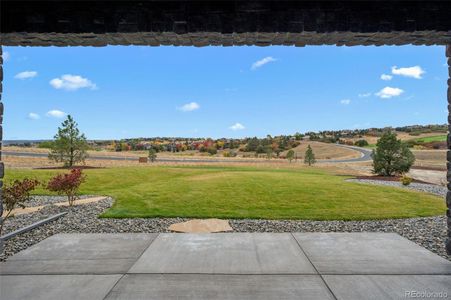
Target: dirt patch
69,168
429,168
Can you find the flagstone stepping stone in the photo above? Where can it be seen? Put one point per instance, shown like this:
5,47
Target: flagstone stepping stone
202,226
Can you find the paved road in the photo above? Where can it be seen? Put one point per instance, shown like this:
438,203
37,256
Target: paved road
365,156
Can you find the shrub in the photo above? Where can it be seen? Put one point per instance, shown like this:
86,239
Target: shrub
391,156
361,143
46,145
15,195
412,143
290,155
406,180
67,184
229,154
212,150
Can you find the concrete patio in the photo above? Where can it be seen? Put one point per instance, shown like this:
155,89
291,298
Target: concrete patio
226,266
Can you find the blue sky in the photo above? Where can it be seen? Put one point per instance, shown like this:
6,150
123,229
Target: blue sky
117,92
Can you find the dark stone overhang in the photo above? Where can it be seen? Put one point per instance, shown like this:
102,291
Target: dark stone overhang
201,23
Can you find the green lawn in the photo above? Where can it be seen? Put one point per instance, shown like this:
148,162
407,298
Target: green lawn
371,146
245,192
430,139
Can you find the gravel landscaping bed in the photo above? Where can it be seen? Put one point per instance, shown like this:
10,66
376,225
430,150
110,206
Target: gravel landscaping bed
420,187
427,232
47,200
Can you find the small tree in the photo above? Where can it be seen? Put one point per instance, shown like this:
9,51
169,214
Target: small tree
269,153
152,155
67,184
309,156
260,149
290,155
391,156
69,146
15,195
361,143
298,136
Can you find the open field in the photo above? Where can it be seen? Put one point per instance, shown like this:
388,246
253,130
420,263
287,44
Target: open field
430,158
431,139
404,136
245,192
23,162
324,151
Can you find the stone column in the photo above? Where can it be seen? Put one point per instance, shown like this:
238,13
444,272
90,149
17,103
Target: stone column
448,196
2,168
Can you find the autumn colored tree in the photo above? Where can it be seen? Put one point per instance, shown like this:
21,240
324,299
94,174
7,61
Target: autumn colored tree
67,184
15,195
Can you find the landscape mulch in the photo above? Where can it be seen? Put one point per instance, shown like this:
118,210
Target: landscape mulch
387,178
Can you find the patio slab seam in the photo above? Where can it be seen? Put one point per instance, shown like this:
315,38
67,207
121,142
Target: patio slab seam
144,250
125,273
317,271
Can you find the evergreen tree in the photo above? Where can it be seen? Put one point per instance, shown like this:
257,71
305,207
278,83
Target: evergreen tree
391,156
298,136
252,144
69,146
152,155
309,156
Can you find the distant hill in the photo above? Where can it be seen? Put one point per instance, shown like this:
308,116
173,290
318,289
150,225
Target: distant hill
22,142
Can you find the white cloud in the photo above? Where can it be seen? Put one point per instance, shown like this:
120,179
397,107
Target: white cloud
386,77
33,116
189,107
26,75
413,72
388,92
364,95
345,101
6,56
237,126
56,114
72,83
262,62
